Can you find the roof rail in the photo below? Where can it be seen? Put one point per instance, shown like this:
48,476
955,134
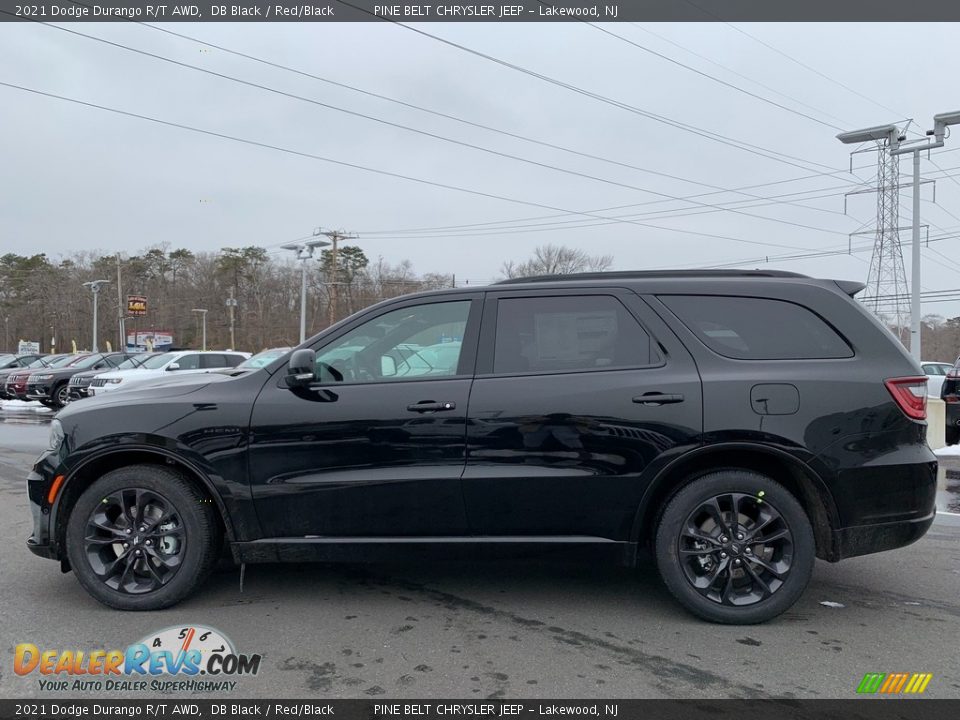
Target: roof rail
642,274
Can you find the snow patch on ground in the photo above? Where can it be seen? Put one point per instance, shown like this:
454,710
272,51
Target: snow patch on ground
23,406
948,451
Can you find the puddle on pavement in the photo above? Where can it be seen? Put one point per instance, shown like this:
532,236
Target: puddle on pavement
948,485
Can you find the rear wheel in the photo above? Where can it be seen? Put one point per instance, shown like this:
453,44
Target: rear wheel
735,547
142,538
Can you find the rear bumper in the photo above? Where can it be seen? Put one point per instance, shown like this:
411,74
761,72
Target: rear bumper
866,539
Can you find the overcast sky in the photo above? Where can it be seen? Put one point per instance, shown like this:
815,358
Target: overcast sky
75,178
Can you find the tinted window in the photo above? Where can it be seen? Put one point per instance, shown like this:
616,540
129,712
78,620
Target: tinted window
757,328
232,360
213,361
398,345
568,333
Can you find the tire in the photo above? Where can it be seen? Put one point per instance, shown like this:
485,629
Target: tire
60,396
176,553
768,576
952,435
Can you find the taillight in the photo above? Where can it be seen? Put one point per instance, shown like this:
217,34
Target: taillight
910,394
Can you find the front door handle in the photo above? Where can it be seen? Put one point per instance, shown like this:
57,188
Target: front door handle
659,398
430,406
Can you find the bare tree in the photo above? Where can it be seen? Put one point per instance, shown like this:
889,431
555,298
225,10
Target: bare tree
556,260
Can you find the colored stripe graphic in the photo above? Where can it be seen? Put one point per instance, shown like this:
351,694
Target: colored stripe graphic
894,683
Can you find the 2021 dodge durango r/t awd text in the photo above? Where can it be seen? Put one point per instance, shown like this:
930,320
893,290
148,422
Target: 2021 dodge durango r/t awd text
736,424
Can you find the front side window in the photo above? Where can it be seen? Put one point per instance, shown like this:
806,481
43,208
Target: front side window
568,334
418,341
189,362
748,328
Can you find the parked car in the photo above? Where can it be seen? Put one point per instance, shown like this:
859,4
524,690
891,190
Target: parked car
935,372
37,362
51,387
15,387
950,392
12,360
737,424
181,362
81,380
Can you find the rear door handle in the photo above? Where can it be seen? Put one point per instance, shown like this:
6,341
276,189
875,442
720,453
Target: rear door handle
659,398
431,406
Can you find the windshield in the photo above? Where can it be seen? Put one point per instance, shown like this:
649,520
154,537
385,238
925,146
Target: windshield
263,359
158,361
133,362
38,363
86,362
63,361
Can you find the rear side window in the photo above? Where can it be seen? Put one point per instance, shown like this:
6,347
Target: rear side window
233,360
757,328
568,333
212,361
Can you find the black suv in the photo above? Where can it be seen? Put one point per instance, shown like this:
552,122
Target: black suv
736,424
950,393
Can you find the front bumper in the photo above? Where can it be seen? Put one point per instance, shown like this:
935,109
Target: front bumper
38,391
40,541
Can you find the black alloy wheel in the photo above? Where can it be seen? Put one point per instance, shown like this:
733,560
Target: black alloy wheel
735,547
135,541
142,537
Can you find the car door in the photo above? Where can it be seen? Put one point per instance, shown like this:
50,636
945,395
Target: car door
578,395
375,447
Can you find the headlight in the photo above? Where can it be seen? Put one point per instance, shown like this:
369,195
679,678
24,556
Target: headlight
42,377
56,436
114,381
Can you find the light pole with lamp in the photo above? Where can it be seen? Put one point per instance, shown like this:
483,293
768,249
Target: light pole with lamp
304,252
95,286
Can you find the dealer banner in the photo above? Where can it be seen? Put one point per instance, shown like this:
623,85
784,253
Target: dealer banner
136,305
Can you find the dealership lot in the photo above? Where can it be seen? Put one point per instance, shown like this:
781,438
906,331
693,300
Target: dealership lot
524,628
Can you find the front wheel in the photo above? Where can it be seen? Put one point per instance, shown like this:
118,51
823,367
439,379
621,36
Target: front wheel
61,396
735,547
142,538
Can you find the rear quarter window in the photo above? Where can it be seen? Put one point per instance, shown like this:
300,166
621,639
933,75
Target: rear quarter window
757,328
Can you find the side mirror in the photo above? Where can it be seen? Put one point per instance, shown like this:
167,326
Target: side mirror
388,366
301,368
173,366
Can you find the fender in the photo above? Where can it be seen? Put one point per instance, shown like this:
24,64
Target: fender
702,451
160,452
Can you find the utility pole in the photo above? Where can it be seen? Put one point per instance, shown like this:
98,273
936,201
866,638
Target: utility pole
95,286
897,145
203,314
231,304
120,321
304,252
335,237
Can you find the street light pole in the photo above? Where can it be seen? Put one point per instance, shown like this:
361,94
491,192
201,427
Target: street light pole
95,286
304,252
203,314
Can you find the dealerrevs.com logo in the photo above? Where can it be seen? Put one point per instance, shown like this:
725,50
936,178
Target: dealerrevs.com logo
191,658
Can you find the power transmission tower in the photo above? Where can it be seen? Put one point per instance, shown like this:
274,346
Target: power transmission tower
887,293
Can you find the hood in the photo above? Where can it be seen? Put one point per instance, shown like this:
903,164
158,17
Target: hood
194,379
130,397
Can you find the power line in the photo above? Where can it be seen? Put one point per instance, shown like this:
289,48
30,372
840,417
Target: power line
378,171
425,133
713,77
708,134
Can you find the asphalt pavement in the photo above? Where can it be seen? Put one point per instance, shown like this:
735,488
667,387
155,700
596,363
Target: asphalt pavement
532,628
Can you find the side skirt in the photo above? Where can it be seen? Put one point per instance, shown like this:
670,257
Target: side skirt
388,549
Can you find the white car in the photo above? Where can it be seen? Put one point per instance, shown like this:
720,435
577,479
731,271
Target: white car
188,362
935,372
